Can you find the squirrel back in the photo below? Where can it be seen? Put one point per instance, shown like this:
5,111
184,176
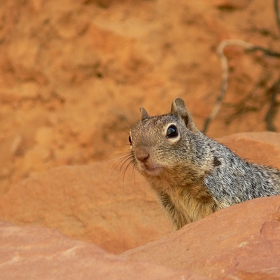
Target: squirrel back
192,174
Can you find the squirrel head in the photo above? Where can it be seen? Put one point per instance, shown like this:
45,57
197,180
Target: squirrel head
163,142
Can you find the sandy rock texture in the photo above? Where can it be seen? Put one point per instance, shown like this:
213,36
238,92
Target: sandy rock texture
74,73
33,252
92,203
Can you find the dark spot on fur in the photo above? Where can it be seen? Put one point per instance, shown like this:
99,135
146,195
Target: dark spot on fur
216,162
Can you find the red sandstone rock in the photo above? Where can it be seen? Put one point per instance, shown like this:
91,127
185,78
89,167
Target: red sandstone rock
92,203
32,252
239,242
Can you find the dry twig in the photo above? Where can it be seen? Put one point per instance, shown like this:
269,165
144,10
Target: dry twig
272,110
277,13
225,72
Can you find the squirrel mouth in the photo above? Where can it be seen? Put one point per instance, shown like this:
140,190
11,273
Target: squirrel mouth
152,170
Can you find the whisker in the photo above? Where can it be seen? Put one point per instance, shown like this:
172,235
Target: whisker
133,172
125,160
122,158
126,168
130,158
128,164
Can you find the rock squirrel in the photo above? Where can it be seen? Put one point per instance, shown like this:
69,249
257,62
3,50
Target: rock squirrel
192,174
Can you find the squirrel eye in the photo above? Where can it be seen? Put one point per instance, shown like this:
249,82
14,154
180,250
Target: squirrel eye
129,139
172,131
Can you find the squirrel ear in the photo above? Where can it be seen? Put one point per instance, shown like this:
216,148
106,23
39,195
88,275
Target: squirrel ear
179,109
144,114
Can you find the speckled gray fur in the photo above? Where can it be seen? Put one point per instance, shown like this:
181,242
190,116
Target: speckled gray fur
236,180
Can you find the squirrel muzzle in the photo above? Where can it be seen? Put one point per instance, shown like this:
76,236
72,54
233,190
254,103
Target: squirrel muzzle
145,164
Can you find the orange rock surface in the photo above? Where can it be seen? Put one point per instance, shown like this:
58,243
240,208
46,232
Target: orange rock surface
36,253
91,203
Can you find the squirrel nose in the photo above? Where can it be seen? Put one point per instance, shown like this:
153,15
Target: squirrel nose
142,154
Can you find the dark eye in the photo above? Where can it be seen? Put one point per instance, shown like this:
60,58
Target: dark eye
129,139
172,131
